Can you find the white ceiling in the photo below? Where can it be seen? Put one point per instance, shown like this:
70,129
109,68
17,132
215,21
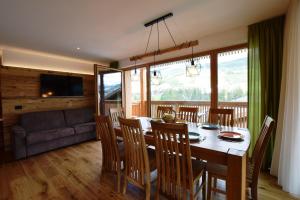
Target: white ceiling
113,30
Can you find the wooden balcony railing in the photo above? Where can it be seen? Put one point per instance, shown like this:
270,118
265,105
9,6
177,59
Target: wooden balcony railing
240,109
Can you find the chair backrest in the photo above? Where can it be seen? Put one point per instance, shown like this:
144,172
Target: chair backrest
223,115
137,167
189,114
261,147
111,157
173,157
161,110
115,113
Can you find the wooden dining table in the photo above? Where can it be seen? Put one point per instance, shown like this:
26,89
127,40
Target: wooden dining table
213,149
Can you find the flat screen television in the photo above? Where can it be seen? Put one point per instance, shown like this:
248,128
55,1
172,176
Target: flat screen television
58,85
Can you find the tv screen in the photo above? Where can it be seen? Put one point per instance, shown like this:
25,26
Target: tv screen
58,85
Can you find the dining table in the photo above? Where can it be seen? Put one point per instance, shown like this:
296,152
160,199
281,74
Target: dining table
211,148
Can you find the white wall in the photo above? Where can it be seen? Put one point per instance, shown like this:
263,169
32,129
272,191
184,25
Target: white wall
36,60
214,41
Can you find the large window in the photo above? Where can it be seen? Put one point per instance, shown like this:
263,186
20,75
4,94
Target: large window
232,76
222,82
175,85
172,85
233,84
136,92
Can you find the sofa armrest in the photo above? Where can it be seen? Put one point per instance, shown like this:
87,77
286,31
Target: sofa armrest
19,142
19,132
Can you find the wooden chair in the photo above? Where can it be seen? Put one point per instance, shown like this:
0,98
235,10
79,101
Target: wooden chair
224,115
177,171
139,160
253,165
161,110
112,152
189,114
114,114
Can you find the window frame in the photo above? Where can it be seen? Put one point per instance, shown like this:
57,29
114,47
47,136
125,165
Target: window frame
213,70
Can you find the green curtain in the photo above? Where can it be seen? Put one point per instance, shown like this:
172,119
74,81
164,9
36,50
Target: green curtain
265,40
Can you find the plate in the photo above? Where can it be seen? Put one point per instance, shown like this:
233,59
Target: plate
231,135
210,126
194,136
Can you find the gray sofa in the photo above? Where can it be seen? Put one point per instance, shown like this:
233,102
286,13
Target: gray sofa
38,132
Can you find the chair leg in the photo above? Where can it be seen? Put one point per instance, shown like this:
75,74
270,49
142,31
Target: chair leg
215,182
118,181
209,186
254,193
125,184
204,186
157,193
148,191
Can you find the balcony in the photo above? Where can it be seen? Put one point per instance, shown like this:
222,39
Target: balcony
240,109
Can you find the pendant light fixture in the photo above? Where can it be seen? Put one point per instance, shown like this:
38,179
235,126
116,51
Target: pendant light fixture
135,74
193,69
176,46
156,77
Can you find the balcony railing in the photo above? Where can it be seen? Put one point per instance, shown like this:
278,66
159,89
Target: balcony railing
240,109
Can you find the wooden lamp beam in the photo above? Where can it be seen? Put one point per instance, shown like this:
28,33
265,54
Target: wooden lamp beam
167,50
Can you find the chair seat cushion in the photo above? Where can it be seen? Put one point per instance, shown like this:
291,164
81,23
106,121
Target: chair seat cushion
85,127
48,135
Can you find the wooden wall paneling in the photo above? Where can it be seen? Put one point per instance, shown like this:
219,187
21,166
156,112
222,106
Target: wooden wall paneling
1,119
21,87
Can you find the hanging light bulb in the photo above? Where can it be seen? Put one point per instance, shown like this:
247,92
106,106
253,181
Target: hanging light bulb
135,74
156,78
193,69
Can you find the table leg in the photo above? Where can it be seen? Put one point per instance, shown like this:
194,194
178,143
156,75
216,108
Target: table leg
236,180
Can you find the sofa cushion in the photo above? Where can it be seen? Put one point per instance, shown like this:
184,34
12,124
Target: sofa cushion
39,121
79,116
85,127
48,135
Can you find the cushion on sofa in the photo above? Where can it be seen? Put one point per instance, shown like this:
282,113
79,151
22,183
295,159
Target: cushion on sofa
39,121
85,127
48,135
79,116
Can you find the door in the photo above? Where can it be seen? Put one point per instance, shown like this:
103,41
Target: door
109,90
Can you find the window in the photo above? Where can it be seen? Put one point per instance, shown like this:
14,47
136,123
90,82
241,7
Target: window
233,83
233,76
136,92
171,86
175,85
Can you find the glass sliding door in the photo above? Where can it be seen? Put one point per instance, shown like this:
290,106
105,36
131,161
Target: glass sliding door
233,83
109,91
172,85
136,92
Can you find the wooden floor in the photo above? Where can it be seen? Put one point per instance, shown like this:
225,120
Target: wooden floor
74,173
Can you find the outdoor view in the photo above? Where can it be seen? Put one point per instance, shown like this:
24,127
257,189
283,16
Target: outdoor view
175,85
112,86
233,76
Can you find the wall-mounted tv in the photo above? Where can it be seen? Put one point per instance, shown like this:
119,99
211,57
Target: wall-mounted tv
58,85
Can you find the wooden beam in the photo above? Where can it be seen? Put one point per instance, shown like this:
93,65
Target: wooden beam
188,56
167,50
